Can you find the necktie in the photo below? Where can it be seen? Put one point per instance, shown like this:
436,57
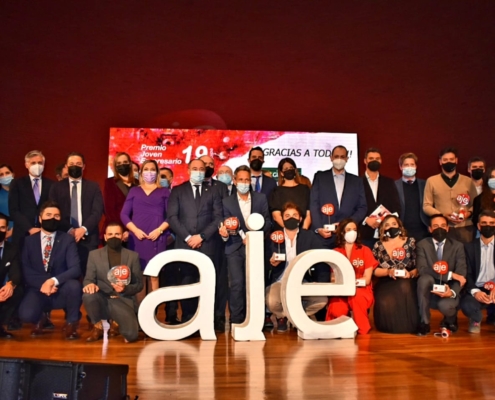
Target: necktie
47,251
440,250
257,185
410,182
197,195
74,207
36,190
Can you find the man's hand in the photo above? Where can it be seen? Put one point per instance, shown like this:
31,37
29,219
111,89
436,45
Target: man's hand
6,291
492,296
448,293
273,262
223,231
194,242
454,219
118,287
78,234
90,288
482,297
413,273
48,286
372,221
459,278
125,236
32,231
324,233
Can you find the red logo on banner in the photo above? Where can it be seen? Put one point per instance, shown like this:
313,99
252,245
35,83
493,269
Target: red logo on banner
231,223
122,272
441,267
357,262
463,199
489,286
328,209
399,253
277,237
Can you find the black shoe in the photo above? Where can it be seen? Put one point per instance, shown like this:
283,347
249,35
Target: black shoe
490,319
282,325
5,335
48,324
423,329
173,321
268,325
219,324
451,326
15,324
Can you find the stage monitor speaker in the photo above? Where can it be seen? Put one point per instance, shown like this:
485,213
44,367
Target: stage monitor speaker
26,379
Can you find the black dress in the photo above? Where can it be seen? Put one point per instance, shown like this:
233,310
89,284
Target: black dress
299,195
396,301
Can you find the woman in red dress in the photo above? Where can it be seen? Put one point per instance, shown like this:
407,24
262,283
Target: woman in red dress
361,258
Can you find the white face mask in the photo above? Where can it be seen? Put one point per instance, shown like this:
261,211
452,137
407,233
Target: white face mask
339,164
409,171
36,170
350,237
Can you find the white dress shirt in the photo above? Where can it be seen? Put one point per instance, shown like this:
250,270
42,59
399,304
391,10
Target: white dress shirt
245,206
487,267
290,251
253,181
194,189
339,181
373,184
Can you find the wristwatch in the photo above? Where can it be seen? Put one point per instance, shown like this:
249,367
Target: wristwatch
203,236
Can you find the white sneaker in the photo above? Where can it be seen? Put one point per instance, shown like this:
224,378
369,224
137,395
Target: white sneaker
474,327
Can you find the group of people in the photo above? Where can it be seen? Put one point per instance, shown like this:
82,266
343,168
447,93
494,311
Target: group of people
414,244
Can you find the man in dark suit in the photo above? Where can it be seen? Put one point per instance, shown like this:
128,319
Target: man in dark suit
241,206
105,300
26,196
379,190
296,242
260,182
81,205
480,257
50,266
411,191
428,252
220,187
10,278
194,212
225,175
343,190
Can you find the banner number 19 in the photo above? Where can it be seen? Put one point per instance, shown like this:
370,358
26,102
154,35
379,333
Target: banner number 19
200,152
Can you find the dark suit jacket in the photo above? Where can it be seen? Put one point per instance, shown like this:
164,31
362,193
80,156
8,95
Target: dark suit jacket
91,207
306,240
267,185
400,190
259,204
220,187
10,264
185,219
23,209
387,196
453,254
473,258
98,267
114,200
63,265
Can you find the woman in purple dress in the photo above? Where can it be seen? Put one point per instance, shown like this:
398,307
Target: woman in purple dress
145,215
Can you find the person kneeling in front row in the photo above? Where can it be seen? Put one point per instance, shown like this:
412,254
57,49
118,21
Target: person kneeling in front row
296,241
106,300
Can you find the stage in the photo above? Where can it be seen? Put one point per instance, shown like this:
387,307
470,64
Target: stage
284,366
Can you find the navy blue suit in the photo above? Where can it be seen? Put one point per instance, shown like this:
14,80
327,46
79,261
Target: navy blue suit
352,205
236,251
64,265
10,270
267,185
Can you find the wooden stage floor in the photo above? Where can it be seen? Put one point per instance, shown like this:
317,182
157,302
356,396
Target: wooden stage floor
376,366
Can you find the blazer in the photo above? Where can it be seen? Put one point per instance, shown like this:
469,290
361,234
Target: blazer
400,190
98,267
473,258
387,196
114,200
64,260
231,208
306,240
23,209
10,264
185,219
219,187
267,185
453,254
91,207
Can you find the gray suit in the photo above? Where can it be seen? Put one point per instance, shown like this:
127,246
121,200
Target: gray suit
426,256
101,305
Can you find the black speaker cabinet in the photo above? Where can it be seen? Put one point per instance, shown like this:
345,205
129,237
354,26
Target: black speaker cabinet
31,379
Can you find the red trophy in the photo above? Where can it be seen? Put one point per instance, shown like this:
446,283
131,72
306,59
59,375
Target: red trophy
463,200
441,268
278,237
398,256
328,209
358,263
119,275
232,225
489,286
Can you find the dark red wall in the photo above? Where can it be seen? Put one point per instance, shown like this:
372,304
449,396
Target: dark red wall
405,75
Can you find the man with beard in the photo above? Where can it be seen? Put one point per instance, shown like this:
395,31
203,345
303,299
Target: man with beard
476,168
260,183
451,194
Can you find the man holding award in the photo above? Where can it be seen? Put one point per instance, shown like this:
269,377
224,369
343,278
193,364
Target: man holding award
441,265
113,278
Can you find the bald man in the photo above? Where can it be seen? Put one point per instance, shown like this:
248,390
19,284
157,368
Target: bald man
226,175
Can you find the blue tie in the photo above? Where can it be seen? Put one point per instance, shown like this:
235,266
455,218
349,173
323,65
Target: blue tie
36,190
257,185
74,209
440,251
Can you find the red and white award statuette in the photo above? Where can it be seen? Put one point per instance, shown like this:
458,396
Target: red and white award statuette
398,255
463,200
328,209
232,225
120,274
489,286
356,263
441,268
278,237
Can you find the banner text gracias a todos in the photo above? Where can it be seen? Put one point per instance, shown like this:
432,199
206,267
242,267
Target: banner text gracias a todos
174,148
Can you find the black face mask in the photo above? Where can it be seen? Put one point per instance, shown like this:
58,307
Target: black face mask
449,167
477,173
439,234
392,232
487,231
209,172
50,225
291,224
114,243
290,174
123,169
75,171
256,165
374,165
2,236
